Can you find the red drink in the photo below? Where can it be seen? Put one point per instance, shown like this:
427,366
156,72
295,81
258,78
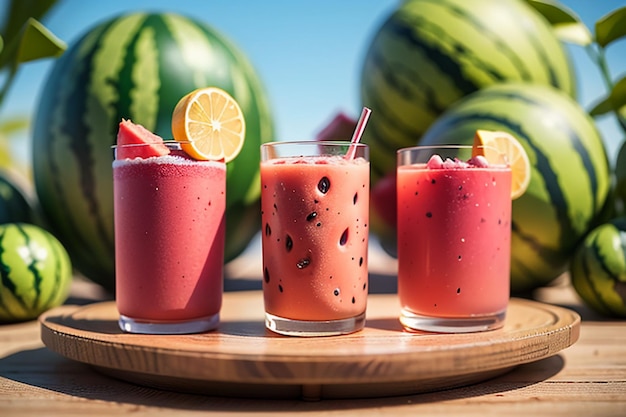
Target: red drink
169,249
315,212
454,239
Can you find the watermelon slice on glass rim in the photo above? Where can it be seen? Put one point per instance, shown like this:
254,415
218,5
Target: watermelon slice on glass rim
130,133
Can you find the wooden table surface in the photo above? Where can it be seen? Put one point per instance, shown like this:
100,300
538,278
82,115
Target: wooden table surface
586,379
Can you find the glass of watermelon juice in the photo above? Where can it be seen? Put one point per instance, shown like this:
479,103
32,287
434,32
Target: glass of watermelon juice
315,213
169,239
454,239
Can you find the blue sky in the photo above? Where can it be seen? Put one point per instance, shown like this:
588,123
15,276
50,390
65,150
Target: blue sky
315,73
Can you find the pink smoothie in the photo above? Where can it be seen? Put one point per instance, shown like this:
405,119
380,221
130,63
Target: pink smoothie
315,227
169,230
454,238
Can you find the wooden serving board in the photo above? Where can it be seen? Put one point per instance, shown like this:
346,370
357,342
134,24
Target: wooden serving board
242,358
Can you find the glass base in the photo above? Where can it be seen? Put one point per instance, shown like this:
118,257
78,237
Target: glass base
412,321
199,325
304,328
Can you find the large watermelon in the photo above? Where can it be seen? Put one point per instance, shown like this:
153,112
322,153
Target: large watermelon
430,53
598,269
570,178
136,66
35,270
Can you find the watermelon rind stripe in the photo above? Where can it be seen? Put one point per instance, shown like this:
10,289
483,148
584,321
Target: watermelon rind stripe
37,280
144,96
405,30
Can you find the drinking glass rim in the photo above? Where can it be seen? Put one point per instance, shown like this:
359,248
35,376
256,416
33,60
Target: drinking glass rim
403,151
446,146
166,142
313,142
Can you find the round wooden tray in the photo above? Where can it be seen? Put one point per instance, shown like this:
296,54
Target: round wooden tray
242,358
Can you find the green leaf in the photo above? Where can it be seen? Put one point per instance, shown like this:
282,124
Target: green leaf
602,107
611,27
614,102
38,42
567,25
18,13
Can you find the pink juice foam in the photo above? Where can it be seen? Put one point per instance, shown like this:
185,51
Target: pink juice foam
315,214
454,237
169,233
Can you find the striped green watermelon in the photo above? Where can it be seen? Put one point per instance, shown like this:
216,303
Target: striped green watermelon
136,66
570,177
430,53
35,272
598,269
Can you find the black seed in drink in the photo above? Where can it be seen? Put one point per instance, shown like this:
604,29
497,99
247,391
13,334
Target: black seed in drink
288,243
323,185
429,214
361,261
336,292
458,290
344,238
280,288
266,275
268,229
353,300
364,285
303,263
355,198
311,216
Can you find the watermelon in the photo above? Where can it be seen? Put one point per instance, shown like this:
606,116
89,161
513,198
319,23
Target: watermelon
35,271
570,175
598,269
430,53
136,66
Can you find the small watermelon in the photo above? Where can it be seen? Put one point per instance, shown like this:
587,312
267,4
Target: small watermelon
598,269
430,53
570,177
136,66
35,270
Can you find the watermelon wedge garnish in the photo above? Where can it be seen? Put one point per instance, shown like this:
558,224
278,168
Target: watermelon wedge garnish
130,133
